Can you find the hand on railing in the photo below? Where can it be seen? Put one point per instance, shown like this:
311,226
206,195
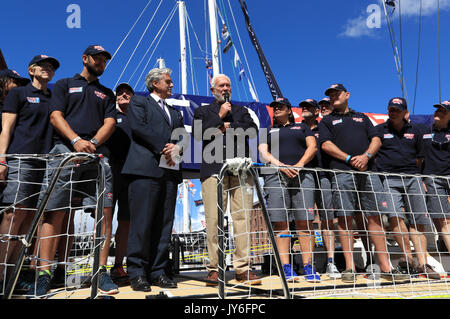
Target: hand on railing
289,171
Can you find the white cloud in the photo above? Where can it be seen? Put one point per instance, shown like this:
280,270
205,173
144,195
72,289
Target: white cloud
357,27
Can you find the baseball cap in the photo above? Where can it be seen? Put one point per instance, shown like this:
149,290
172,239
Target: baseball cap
96,49
444,104
398,102
13,74
309,102
125,86
282,101
324,100
335,87
43,57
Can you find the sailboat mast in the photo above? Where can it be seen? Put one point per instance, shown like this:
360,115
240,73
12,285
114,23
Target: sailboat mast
213,30
182,19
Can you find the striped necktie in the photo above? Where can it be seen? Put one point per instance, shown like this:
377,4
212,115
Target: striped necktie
166,115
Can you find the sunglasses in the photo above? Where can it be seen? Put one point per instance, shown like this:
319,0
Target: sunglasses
46,65
280,106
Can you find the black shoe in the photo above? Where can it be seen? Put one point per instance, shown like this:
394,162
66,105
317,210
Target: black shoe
140,283
25,282
42,287
164,282
407,268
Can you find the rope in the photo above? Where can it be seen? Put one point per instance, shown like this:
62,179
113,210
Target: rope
139,42
190,55
195,34
224,19
401,39
439,49
239,166
397,59
117,50
148,49
165,25
206,44
242,47
204,53
156,46
418,54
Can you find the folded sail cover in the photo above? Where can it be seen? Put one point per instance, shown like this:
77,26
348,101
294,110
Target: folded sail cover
270,78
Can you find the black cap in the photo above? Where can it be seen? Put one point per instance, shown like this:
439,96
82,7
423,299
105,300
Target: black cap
282,101
43,57
13,74
335,87
126,86
97,49
309,102
325,100
398,102
444,104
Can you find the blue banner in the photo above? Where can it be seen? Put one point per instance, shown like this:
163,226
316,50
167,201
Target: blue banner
260,114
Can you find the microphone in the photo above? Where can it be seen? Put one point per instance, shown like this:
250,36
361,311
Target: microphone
226,97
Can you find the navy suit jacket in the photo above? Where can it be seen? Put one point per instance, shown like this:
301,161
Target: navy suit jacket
151,131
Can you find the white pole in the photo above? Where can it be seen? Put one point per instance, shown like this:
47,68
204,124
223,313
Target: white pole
186,209
181,15
213,30
161,63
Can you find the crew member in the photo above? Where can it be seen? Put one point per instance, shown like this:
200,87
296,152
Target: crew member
351,141
402,152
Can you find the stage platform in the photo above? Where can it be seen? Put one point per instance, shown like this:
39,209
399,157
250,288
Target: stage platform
191,285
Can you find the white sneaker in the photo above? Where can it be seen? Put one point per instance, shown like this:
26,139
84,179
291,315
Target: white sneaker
332,271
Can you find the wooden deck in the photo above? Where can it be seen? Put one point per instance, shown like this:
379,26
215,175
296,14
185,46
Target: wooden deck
191,285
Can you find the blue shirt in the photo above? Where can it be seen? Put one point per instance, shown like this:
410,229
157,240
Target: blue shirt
399,150
436,145
351,132
33,132
84,105
290,141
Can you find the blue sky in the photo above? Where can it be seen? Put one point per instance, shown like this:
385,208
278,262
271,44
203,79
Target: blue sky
309,45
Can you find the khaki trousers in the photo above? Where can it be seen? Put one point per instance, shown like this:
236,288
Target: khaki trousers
241,203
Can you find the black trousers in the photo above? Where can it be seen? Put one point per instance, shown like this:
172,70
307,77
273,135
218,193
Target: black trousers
152,209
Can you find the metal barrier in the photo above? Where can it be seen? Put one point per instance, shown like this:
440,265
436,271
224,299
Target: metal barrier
41,208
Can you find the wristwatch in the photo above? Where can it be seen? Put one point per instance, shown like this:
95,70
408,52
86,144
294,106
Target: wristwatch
94,141
368,155
76,139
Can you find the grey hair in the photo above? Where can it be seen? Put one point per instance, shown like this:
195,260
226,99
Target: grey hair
214,79
155,75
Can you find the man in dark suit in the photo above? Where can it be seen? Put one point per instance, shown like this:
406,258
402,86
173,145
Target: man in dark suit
226,121
153,168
